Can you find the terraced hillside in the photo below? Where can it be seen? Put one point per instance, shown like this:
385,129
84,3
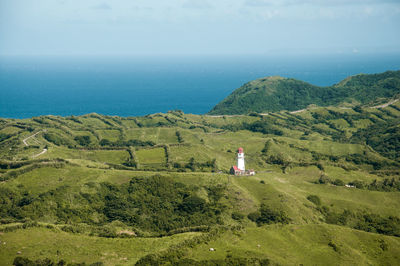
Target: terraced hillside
157,189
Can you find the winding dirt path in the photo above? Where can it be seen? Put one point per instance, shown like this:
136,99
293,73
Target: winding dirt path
42,152
26,139
386,104
35,140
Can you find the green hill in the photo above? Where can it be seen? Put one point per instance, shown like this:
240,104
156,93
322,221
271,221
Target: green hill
276,93
156,190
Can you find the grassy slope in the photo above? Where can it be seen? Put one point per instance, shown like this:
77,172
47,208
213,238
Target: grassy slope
56,245
303,244
205,138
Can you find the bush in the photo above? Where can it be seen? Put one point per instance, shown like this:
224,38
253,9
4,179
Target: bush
270,216
83,140
358,184
254,216
179,136
105,142
314,199
22,261
323,179
265,215
338,182
377,224
192,204
237,216
334,246
130,164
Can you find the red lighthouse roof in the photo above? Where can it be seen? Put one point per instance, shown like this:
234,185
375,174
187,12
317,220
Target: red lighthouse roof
240,150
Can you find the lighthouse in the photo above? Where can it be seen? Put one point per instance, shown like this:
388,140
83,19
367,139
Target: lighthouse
240,159
239,170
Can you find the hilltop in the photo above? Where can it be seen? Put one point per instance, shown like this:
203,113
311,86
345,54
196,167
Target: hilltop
273,94
156,189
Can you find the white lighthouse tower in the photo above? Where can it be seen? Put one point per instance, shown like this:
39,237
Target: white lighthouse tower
240,159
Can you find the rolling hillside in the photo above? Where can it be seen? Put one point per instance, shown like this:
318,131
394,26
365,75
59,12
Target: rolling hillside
157,189
273,94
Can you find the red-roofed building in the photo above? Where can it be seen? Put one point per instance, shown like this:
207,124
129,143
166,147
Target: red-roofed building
235,170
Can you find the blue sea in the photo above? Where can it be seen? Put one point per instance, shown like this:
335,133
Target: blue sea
133,86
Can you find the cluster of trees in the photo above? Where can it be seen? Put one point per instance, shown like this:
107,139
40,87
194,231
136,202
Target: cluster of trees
263,126
267,215
384,137
387,184
22,261
156,204
365,221
193,165
83,140
4,136
126,143
377,224
179,137
229,260
86,141
358,220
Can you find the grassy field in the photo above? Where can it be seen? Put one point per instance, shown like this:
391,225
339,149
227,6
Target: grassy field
122,167
303,244
56,245
151,157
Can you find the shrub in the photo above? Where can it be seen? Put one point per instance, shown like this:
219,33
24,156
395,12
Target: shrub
237,216
357,183
192,204
314,199
324,179
270,216
130,164
334,246
179,136
338,182
265,215
83,140
253,216
105,142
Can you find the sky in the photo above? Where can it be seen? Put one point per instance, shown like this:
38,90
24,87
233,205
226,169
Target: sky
198,27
